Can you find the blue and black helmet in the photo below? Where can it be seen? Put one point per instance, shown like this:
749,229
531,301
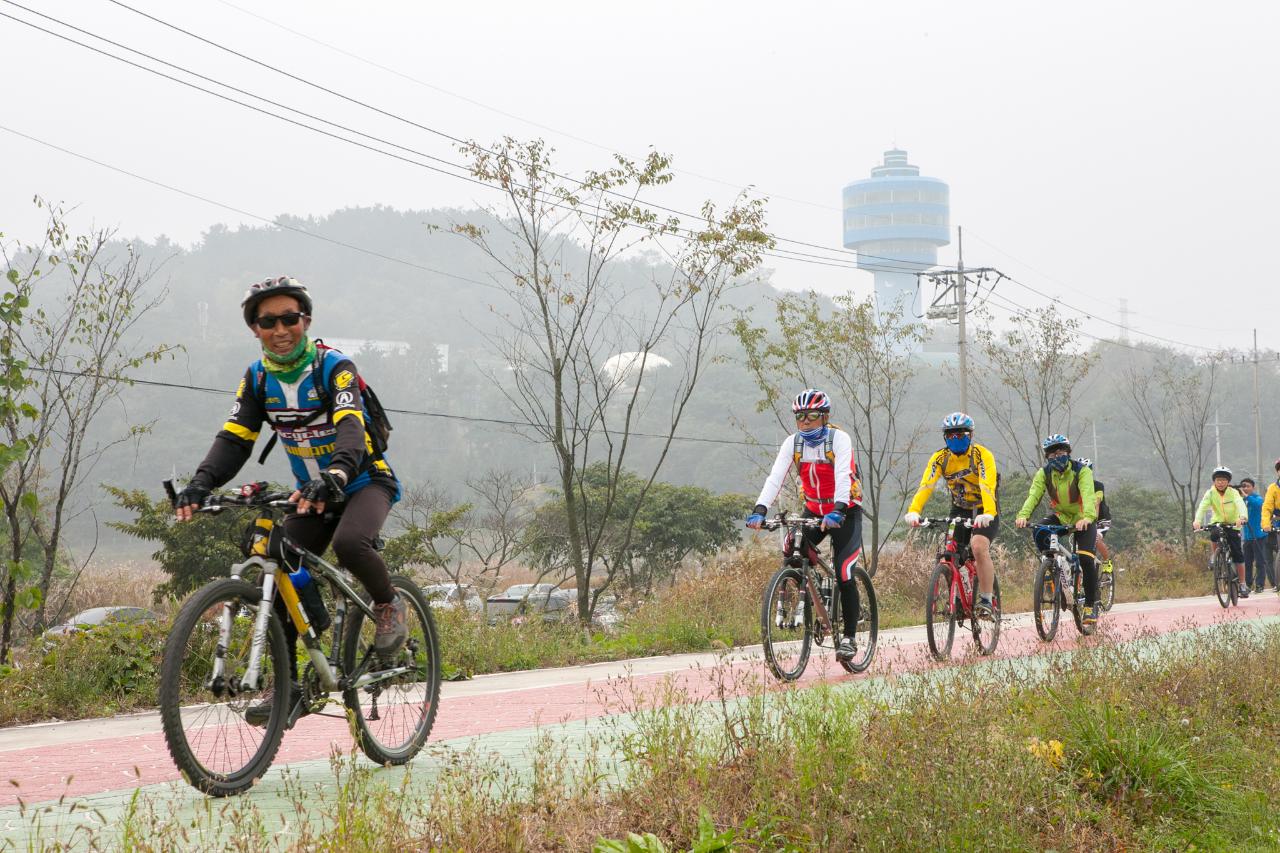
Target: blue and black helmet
957,420
1055,442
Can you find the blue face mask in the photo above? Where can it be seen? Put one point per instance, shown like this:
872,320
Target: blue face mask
1060,463
813,436
958,443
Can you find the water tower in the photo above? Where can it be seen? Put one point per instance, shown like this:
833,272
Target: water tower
896,220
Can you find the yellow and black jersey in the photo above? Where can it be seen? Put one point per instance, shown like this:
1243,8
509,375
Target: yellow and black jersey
970,477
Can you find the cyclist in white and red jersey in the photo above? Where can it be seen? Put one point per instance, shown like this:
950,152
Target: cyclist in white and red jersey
822,456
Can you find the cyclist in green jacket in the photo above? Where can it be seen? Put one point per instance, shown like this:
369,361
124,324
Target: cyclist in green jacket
1223,505
1069,486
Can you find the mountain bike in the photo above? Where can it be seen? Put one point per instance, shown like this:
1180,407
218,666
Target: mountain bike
226,691
1226,581
802,605
1059,571
952,594
1106,580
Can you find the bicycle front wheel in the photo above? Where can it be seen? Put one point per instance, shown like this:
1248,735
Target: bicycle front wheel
986,632
1223,588
786,624
392,714
866,623
1045,601
939,612
218,751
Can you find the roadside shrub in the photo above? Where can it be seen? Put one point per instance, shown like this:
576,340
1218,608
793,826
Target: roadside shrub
108,670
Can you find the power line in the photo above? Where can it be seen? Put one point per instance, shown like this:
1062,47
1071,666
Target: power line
688,235
396,116
501,112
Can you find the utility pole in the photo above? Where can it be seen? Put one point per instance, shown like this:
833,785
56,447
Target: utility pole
1124,321
961,344
951,302
1217,438
1257,413
1095,443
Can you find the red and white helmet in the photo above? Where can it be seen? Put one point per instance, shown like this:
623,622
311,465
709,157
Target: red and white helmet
811,400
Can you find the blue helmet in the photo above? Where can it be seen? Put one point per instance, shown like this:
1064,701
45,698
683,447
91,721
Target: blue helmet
954,422
810,400
1054,442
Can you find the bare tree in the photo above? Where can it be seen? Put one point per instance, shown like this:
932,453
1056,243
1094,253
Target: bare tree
865,357
1027,379
80,346
1170,396
496,534
557,241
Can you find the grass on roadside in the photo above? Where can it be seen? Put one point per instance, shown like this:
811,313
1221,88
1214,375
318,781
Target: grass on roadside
1161,743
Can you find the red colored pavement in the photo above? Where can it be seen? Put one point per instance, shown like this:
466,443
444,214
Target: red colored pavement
109,763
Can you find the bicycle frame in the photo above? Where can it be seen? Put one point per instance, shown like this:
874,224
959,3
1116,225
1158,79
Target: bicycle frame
810,559
276,579
949,554
1064,557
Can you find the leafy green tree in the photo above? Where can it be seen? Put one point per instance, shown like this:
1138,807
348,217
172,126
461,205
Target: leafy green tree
647,534
192,553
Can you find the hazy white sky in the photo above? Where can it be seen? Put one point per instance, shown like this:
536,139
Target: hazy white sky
1094,150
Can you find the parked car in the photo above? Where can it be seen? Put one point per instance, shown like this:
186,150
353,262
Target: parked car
542,598
95,616
448,596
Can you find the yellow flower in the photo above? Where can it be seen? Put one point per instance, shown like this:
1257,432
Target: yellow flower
1049,751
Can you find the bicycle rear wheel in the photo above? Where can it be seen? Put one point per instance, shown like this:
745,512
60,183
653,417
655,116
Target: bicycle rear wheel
1107,589
866,623
1045,601
939,612
986,632
217,750
392,717
786,624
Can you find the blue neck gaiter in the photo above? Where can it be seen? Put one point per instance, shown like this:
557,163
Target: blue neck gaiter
814,436
1060,463
959,445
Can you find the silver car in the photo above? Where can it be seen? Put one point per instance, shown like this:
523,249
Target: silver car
542,598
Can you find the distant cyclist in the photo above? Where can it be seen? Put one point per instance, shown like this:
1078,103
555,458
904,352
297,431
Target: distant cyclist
1105,565
822,457
1069,486
969,471
1271,520
1222,504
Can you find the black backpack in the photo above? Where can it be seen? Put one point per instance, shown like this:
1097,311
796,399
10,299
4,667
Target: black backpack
376,423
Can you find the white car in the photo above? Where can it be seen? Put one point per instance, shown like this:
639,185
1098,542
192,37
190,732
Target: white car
96,616
449,596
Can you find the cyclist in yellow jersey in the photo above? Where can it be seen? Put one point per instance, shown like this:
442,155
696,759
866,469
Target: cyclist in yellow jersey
969,470
1224,505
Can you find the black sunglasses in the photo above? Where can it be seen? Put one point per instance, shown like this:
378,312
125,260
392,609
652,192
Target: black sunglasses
290,320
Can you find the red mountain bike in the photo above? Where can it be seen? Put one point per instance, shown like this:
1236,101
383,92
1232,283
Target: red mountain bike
952,594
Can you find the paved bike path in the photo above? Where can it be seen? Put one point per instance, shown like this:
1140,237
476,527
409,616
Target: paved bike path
75,769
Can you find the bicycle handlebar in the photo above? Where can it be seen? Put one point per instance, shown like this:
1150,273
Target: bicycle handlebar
248,495
1217,526
781,520
929,522
1054,528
